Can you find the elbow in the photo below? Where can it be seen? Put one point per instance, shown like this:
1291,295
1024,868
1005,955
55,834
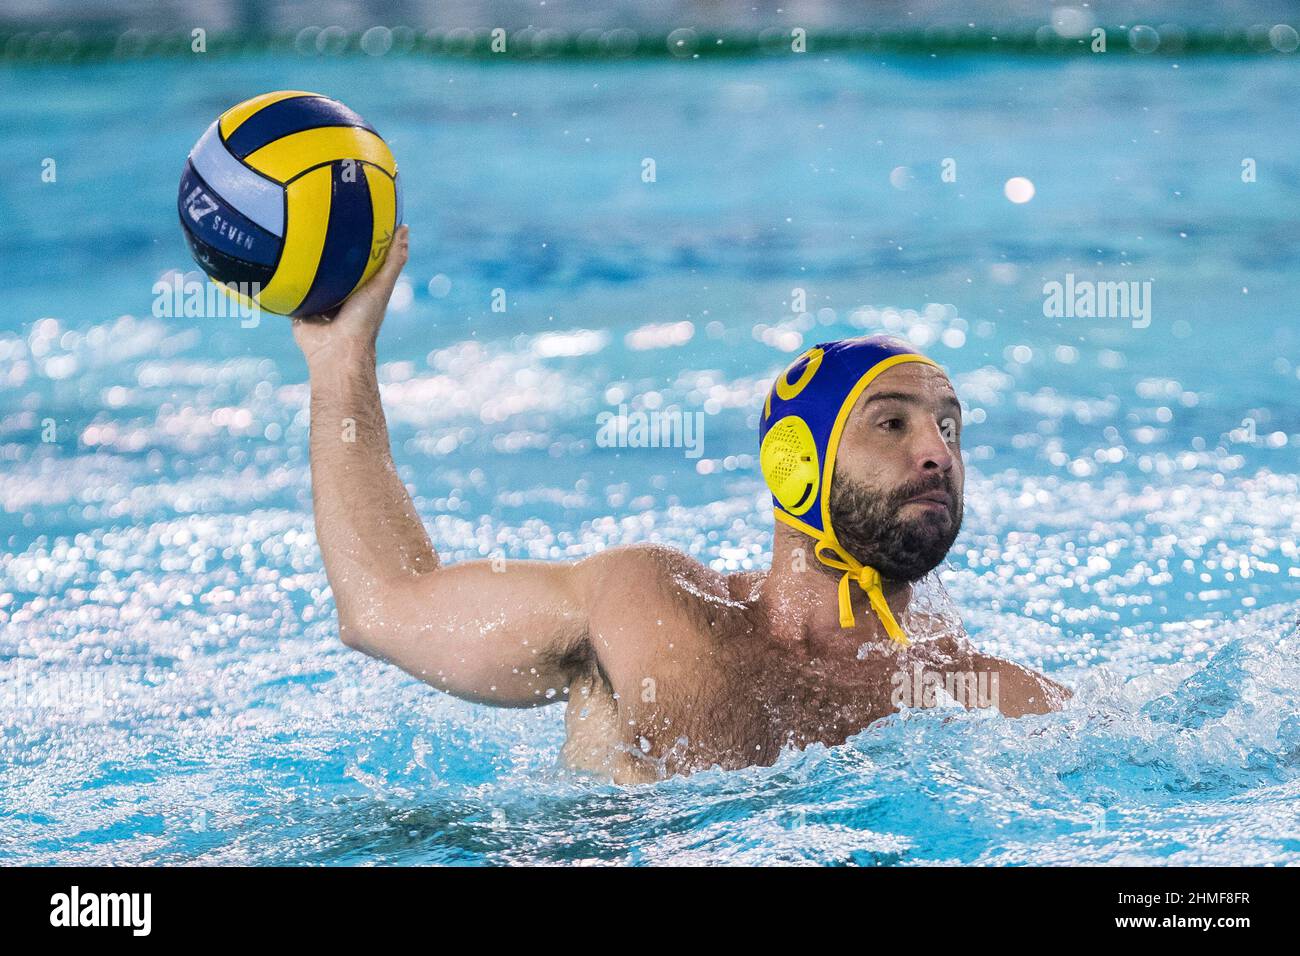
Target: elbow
373,622
353,634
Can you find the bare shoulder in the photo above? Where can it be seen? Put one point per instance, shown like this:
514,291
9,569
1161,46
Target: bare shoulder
641,572
651,602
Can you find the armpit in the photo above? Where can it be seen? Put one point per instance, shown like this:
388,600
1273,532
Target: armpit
574,657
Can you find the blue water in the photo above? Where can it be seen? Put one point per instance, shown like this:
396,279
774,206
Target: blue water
172,688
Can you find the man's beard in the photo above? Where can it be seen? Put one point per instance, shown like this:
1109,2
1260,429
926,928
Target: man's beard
869,526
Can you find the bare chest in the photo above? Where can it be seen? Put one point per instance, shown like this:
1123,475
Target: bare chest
711,699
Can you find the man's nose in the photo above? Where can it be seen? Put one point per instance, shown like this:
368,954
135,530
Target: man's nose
933,451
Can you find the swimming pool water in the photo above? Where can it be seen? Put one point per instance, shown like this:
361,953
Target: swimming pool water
172,689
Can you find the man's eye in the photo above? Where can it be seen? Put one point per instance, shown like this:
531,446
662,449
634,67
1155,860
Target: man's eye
892,424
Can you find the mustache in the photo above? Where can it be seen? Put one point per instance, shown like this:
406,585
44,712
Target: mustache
922,486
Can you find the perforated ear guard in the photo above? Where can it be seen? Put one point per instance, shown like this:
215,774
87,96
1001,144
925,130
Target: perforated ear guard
790,464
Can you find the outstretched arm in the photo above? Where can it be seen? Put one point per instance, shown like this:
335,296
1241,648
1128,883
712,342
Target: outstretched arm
512,638
1016,690
1020,690
366,525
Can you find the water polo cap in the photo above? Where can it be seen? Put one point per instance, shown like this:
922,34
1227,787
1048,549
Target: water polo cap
799,435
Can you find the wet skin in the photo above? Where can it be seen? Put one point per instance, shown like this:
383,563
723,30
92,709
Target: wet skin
663,665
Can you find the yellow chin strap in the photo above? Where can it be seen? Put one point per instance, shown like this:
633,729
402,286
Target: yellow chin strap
869,580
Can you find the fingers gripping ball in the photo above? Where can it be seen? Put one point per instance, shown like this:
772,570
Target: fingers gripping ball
290,199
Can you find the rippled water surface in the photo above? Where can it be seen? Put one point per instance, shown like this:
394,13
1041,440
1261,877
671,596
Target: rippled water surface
172,689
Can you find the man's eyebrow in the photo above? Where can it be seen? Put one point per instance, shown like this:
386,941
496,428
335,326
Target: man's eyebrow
908,397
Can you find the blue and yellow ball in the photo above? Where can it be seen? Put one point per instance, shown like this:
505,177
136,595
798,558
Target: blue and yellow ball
291,200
